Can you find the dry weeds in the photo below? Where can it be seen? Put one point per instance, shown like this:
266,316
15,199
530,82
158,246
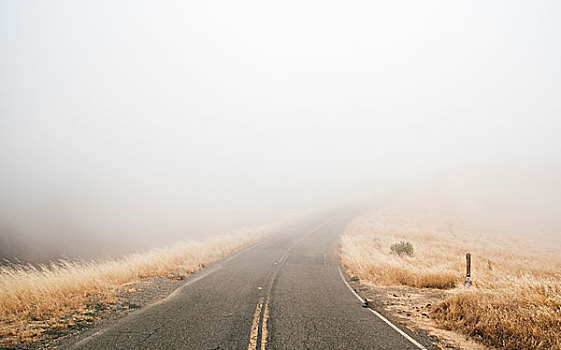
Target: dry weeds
37,300
515,300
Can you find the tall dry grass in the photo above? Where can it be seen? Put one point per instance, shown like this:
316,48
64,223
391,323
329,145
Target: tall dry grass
515,300
50,292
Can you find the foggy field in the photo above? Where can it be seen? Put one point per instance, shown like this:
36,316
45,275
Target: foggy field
37,300
126,127
57,241
515,299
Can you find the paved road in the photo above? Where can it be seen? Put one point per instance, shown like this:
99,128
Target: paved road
284,293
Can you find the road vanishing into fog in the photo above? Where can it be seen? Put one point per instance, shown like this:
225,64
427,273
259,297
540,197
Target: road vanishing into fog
284,293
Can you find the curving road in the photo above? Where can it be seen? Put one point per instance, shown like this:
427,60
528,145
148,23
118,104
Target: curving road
284,293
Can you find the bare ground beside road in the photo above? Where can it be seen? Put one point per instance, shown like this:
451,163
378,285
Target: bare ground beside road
51,301
412,307
514,301
129,298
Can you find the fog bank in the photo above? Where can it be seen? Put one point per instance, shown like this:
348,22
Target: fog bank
125,125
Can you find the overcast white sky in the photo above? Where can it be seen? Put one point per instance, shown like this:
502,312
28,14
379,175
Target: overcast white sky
214,110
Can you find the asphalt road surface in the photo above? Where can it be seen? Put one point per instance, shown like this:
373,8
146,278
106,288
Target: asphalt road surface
284,293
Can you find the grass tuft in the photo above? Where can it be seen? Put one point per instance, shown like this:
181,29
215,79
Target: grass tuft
402,248
506,319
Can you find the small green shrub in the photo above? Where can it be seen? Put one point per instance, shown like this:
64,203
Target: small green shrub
402,248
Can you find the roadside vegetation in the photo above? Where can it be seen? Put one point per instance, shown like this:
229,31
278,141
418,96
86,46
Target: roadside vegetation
515,298
37,300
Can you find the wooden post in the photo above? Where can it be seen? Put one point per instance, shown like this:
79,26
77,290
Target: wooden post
468,270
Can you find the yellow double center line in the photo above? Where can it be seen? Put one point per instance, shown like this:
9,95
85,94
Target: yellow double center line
258,335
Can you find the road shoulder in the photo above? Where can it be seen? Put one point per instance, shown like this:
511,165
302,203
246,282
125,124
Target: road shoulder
411,308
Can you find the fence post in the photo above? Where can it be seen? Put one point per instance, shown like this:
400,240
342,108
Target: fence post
468,269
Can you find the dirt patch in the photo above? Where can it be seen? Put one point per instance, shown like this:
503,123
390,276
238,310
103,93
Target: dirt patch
48,334
412,307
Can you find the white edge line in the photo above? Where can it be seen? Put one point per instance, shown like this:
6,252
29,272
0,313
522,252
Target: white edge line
405,335
349,286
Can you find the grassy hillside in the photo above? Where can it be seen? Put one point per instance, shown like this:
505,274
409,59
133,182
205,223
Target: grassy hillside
515,299
35,299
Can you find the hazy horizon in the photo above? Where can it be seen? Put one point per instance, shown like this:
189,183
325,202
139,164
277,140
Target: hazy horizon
124,124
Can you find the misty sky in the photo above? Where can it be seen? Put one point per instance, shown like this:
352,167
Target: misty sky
122,113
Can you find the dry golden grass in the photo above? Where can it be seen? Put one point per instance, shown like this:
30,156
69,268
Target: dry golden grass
515,300
508,319
60,292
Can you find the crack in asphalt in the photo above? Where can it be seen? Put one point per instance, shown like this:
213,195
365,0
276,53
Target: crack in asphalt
294,277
